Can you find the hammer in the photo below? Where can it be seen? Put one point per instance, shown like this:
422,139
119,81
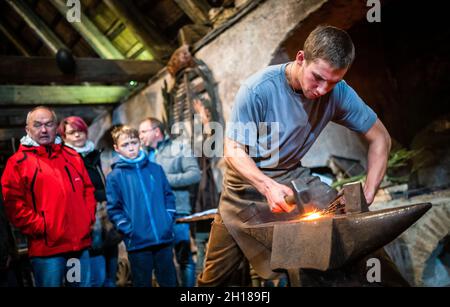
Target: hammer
310,195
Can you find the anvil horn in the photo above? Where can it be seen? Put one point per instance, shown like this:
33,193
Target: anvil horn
361,234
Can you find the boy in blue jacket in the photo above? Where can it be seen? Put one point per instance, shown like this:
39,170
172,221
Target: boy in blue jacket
141,205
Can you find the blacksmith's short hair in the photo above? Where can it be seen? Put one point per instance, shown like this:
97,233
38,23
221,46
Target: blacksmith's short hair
330,44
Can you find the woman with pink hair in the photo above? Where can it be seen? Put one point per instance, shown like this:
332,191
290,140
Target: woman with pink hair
104,250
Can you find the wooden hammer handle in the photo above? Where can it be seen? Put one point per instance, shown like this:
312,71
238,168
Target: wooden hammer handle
290,199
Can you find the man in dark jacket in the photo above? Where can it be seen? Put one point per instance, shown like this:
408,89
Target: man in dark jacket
182,171
141,204
48,195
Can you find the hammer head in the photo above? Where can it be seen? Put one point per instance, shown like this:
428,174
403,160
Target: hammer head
312,194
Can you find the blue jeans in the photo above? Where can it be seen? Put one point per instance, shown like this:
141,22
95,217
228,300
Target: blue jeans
103,271
183,254
160,258
104,268
98,270
70,269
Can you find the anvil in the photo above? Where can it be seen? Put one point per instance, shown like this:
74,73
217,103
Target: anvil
333,240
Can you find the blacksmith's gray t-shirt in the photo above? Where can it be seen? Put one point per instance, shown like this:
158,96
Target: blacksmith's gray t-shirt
279,126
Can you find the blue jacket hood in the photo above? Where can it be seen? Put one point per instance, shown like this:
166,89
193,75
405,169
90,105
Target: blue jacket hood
121,162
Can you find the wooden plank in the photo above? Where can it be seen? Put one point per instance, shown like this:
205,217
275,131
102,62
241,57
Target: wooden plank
147,33
38,95
87,29
48,37
197,10
43,70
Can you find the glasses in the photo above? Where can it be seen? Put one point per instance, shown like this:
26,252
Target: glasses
39,125
148,130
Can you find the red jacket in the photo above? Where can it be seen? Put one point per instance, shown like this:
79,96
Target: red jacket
48,195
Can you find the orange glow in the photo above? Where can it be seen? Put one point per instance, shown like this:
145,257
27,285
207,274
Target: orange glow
311,216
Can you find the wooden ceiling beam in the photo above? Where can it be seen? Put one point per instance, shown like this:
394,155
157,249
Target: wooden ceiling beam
43,70
89,31
41,29
94,110
15,117
147,33
196,10
13,95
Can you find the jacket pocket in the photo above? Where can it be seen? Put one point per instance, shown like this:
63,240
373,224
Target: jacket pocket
128,239
70,178
85,220
33,195
54,228
45,229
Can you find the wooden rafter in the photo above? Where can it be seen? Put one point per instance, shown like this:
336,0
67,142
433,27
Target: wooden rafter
147,33
41,29
44,70
87,29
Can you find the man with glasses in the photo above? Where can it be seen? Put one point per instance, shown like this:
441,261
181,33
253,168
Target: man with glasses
48,195
182,171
